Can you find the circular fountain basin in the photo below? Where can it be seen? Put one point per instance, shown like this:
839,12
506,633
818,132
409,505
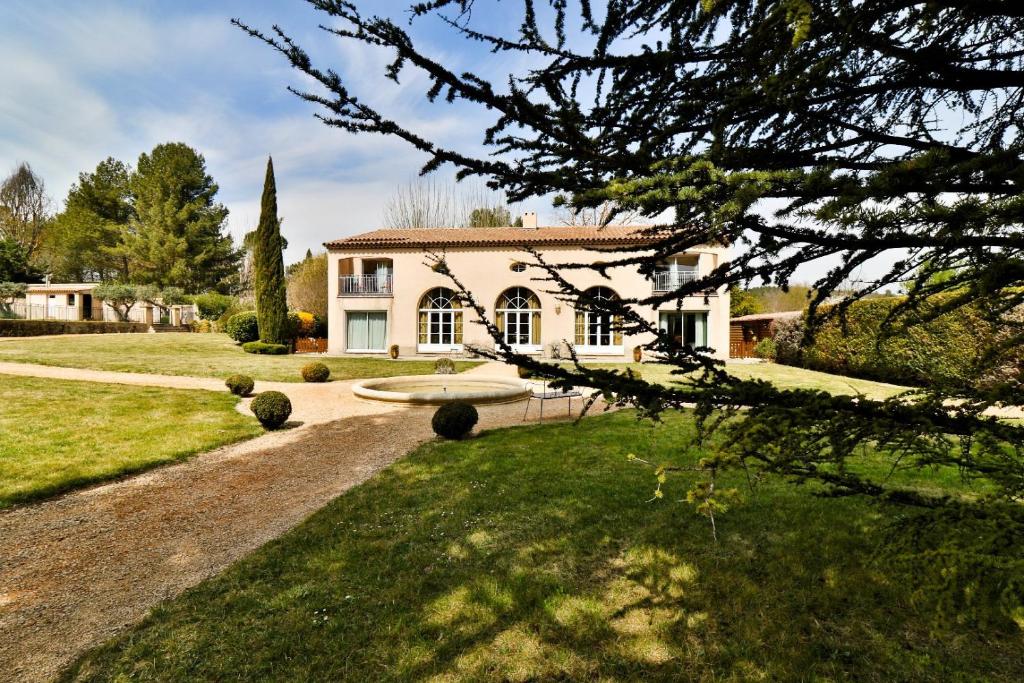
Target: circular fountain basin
438,389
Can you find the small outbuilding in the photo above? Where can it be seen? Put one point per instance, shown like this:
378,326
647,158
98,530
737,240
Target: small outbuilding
746,330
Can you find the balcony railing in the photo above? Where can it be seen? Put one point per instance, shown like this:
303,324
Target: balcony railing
364,285
669,280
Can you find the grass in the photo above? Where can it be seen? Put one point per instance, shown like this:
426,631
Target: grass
782,376
197,355
56,435
533,554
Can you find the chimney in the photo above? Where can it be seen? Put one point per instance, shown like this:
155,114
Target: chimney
530,220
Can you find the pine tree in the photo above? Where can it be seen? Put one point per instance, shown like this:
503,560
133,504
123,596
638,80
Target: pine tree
268,267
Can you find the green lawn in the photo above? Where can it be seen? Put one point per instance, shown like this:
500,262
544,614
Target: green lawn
782,376
197,355
56,435
533,554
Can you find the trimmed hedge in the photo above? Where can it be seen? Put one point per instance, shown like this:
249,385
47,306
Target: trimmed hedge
240,385
454,420
242,327
36,328
315,372
265,349
271,408
943,351
444,366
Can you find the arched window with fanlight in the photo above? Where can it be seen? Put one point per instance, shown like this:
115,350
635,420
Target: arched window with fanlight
518,318
440,320
597,330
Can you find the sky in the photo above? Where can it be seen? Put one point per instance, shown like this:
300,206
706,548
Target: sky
86,80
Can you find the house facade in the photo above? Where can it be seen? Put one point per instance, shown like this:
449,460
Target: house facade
383,291
75,301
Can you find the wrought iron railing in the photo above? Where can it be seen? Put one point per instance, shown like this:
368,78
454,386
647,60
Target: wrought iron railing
364,285
668,280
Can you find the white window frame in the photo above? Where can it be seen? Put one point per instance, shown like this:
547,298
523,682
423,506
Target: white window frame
430,347
528,312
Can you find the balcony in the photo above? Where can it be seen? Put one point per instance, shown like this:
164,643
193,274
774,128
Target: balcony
670,280
365,285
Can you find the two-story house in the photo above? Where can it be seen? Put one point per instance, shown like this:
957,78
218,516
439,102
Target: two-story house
383,291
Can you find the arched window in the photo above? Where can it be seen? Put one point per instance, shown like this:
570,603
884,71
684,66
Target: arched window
440,320
595,327
518,317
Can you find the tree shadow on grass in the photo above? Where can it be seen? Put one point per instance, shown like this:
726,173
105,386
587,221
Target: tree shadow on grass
531,554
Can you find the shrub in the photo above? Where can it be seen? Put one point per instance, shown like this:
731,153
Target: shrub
292,325
319,327
765,349
524,373
454,420
444,366
240,385
304,323
201,326
271,408
315,372
36,328
212,305
265,349
943,351
242,327
393,351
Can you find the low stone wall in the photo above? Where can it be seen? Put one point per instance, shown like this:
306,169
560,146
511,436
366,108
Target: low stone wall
38,328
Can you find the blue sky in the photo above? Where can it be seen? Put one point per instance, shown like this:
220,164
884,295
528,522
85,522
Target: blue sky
83,81
86,80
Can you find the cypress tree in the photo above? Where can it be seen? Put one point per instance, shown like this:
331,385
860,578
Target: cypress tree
268,267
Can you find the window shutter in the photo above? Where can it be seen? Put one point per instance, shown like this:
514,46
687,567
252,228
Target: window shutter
617,330
581,328
535,328
458,328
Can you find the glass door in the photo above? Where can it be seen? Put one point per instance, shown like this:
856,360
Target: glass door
687,329
367,331
517,328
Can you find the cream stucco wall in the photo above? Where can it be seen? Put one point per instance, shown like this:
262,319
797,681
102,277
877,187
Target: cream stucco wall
486,273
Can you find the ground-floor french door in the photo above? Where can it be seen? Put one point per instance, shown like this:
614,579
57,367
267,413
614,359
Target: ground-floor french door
518,328
688,329
367,331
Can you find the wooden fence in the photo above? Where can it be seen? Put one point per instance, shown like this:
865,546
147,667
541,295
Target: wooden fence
311,345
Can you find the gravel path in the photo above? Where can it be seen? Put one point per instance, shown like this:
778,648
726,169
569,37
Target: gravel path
77,569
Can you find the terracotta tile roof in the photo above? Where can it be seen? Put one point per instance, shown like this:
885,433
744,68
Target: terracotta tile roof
777,315
611,235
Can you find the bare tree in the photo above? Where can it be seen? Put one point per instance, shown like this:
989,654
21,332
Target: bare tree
425,203
24,208
421,204
606,213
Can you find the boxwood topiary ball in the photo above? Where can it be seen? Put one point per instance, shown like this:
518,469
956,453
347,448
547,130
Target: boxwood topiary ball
454,420
271,408
240,385
315,372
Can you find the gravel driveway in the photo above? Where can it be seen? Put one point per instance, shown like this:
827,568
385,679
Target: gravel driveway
77,569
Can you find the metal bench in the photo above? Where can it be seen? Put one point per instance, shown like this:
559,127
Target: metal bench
550,395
